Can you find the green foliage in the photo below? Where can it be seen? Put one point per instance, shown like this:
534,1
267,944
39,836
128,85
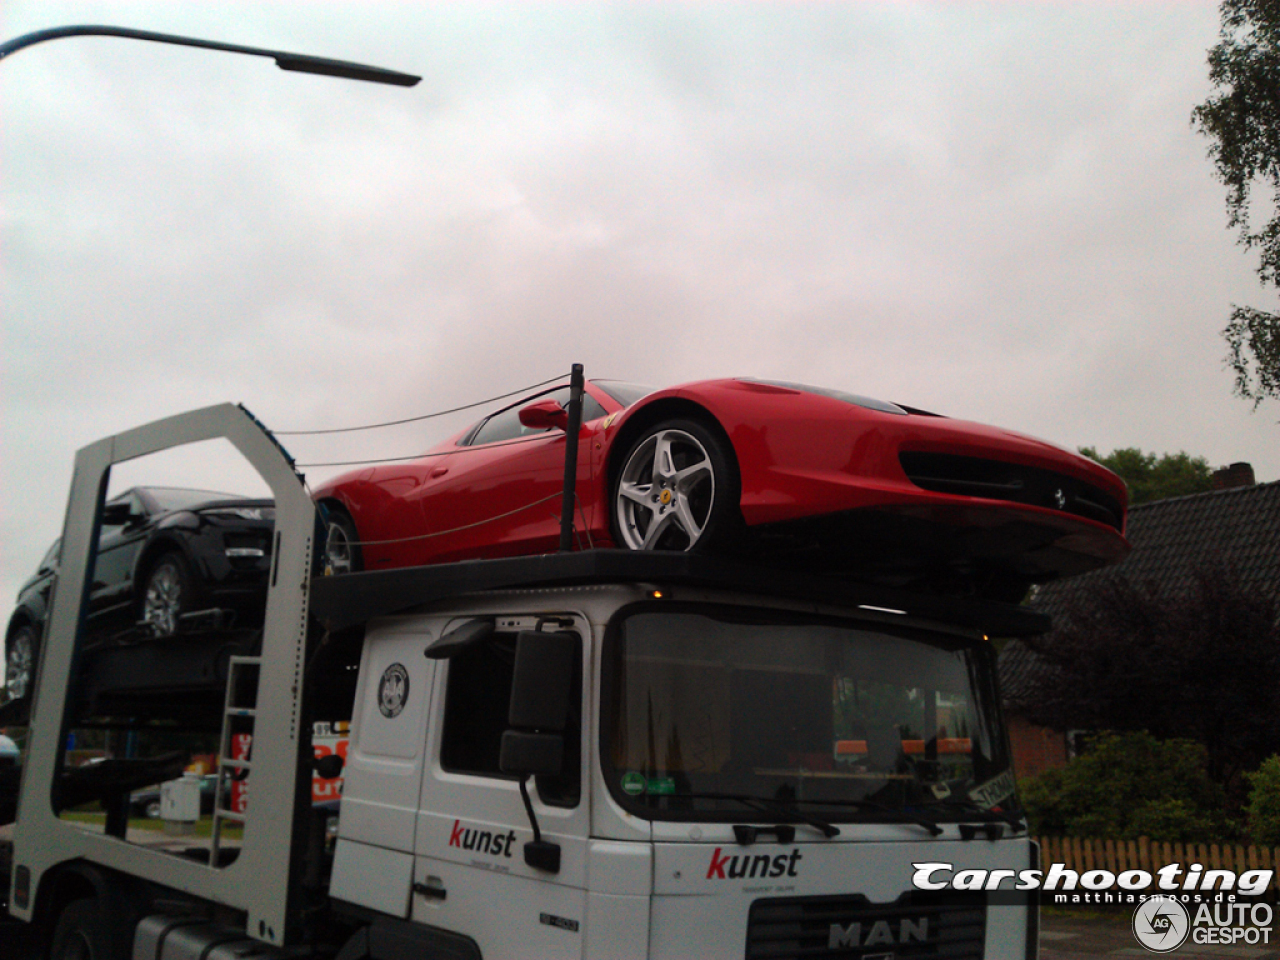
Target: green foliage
1174,819
1129,785
1156,478
1263,809
1198,659
1242,120
1253,339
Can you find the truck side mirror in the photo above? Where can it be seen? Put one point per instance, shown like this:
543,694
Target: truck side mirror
459,639
543,675
540,688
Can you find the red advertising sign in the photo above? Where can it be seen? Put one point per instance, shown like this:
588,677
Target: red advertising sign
326,739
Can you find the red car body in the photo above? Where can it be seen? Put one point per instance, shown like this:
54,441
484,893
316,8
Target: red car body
823,479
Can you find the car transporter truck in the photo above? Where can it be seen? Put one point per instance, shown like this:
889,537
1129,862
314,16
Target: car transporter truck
591,754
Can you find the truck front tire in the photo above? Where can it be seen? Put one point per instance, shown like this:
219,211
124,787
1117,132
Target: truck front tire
83,933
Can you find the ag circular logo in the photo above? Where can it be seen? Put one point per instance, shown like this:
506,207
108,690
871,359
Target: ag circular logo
1161,924
393,690
633,784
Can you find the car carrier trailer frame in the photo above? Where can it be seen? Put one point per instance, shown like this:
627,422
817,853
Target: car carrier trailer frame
265,896
262,882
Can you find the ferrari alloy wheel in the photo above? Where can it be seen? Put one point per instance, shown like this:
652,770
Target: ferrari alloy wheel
20,663
167,595
677,485
342,545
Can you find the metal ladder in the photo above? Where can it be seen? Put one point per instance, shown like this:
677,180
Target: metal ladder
238,716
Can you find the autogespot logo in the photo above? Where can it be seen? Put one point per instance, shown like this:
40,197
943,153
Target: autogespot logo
1161,924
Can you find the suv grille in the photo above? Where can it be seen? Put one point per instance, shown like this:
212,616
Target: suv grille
996,480
255,540
844,927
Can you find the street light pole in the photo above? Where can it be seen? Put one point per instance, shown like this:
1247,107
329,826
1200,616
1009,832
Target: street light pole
298,62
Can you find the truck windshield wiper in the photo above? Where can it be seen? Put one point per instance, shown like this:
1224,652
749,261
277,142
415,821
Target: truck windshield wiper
775,807
893,813
968,806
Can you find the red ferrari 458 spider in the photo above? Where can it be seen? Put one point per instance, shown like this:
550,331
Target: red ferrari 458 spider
811,477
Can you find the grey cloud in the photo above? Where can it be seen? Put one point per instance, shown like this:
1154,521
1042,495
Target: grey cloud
997,211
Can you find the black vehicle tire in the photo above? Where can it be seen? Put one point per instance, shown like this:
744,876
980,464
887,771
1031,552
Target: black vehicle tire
677,489
83,933
342,552
152,810
22,655
168,593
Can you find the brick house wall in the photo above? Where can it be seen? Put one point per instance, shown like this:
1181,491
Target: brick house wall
1035,749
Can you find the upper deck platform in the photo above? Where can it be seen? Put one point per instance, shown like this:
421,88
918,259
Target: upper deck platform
338,602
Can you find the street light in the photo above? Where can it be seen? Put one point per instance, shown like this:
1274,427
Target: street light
298,62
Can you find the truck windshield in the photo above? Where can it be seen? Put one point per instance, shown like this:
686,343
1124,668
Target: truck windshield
707,710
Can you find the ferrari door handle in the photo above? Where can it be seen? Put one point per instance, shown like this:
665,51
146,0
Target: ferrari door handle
438,472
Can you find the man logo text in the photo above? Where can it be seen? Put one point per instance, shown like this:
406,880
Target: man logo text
851,936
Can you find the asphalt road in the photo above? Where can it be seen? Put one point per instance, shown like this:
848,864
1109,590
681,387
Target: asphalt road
1071,937
1062,939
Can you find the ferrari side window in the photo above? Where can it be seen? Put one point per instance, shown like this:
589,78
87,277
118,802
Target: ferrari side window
506,425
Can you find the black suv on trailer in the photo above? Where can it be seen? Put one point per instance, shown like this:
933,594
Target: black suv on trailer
168,559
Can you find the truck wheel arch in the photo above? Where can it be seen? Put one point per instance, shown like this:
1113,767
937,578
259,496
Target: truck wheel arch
83,932
388,938
90,898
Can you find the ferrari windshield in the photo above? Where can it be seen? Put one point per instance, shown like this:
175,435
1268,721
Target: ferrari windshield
625,393
711,716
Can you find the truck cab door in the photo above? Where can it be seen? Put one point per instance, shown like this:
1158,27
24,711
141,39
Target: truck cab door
470,874
382,777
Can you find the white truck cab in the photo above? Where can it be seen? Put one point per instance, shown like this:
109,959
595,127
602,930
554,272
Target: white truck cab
739,775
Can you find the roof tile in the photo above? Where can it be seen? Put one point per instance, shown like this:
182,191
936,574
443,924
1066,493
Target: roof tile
1239,527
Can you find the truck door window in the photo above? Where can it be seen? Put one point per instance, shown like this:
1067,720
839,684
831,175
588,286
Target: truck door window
477,699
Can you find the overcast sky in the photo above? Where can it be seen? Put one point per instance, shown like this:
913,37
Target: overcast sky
995,211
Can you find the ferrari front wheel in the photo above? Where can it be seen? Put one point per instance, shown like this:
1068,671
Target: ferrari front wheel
342,545
677,489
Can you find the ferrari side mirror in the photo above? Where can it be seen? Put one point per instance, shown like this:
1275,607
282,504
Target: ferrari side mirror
543,415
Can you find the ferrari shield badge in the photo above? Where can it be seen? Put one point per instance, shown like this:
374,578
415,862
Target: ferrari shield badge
393,690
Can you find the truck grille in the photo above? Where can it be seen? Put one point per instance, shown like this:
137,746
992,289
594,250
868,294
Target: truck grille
996,480
843,927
